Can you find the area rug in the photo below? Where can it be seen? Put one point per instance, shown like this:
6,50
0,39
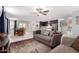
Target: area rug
29,46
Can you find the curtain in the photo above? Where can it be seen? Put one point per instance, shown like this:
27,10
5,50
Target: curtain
2,24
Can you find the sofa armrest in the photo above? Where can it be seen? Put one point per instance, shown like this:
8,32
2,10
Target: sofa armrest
56,39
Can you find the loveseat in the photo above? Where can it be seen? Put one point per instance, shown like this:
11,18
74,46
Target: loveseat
48,37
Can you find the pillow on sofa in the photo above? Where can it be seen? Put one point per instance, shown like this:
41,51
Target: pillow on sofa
38,32
51,33
75,44
45,32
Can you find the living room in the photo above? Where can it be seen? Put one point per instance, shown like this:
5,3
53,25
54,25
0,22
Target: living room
39,29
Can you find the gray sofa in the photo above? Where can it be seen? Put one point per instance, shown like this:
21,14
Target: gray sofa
47,37
65,46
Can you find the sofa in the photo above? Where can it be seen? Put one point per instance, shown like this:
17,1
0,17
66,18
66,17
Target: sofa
65,46
48,37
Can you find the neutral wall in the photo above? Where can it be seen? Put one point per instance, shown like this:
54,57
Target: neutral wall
31,26
75,28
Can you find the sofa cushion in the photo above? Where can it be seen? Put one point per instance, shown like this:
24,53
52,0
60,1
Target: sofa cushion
75,44
53,33
63,49
47,38
45,32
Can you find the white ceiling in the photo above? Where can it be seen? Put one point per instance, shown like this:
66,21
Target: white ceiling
26,12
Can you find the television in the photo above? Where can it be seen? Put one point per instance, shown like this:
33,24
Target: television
43,23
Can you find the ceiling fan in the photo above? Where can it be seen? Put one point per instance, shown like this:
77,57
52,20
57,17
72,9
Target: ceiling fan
41,11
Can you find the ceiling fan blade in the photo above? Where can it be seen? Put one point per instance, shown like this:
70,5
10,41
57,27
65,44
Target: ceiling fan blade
39,9
43,13
46,11
34,12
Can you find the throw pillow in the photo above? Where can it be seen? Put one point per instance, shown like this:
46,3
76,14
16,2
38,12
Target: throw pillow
45,32
38,32
51,33
75,44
